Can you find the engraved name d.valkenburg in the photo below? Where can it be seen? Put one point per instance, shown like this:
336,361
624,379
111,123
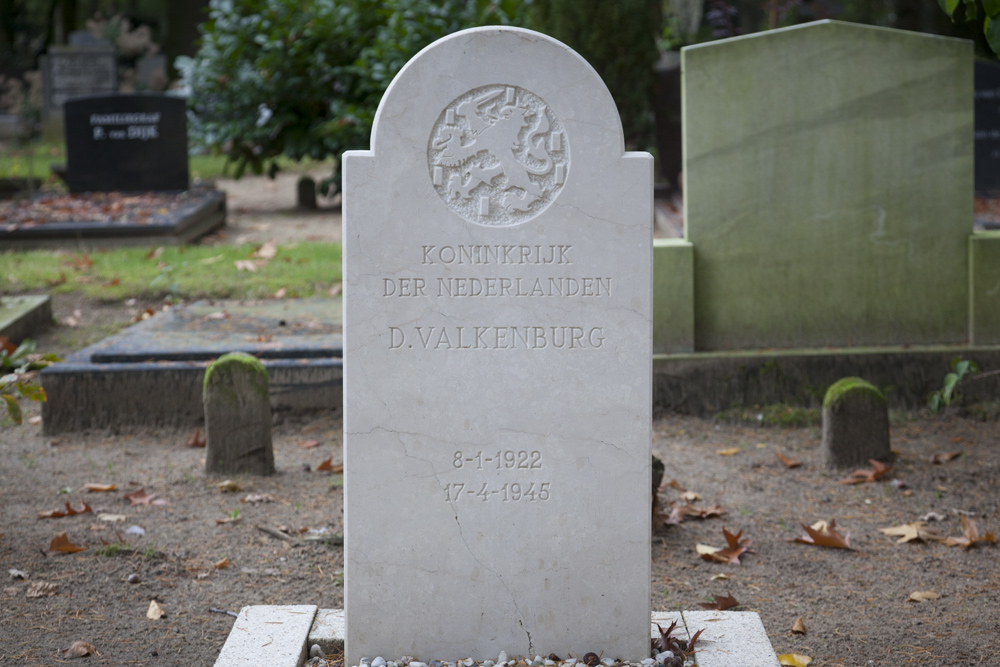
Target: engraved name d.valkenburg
498,155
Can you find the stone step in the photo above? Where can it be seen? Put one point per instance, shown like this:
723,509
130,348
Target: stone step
729,638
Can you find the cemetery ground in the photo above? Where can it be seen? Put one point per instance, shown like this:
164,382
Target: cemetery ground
207,545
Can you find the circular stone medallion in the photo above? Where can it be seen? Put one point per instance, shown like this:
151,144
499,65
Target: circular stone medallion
498,156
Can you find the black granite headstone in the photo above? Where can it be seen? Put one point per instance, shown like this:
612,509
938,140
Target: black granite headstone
987,151
126,143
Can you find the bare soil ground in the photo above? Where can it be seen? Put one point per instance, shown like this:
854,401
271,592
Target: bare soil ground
853,603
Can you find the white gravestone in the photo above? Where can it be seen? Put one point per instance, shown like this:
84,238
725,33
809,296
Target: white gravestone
497,373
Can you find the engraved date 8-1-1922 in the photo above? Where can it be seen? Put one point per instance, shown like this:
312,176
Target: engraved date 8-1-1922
508,459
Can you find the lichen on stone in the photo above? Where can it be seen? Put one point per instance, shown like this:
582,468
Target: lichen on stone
841,387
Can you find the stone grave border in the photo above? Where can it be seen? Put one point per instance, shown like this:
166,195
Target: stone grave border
203,215
23,316
282,635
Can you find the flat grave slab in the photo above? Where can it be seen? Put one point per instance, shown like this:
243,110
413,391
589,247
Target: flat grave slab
268,635
95,220
152,372
22,316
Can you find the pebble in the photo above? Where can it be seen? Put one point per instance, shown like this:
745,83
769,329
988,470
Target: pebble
502,657
660,657
316,652
488,663
609,662
436,663
378,662
414,663
135,530
569,662
550,662
648,662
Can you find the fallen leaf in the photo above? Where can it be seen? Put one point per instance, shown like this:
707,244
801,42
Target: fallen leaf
58,514
944,458
933,516
111,518
41,589
229,486
61,543
722,576
267,251
877,471
678,513
280,294
328,466
246,265
99,488
154,253
690,497
218,315
335,290
788,462
78,649
674,484
794,660
155,611
821,534
197,438
35,421
722,603
54,282
731,554
970,536
732,451
911,532
761,445
253,498
922,596
140,497
798,627
705,550
222,564
309,444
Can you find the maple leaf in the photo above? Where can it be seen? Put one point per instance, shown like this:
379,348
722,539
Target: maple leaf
788,462
731,554
944,458
58,514
666,641
99,488
61,543
877,471
197,438
140,497
78,649
822,534
721,603
328,466
912,532
970,536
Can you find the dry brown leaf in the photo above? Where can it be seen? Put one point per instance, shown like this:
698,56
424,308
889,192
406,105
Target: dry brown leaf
788,462
706,550
309,444
336,289
722,603
922,596
328,466
246,265
222,564
197,438
821,534
58,514
229,486
155,611
78,649
912,532
970,536
61,543
280,294
731,554
798,627
140,497
99,488
877,472
944,458
41,589
267,251
794,660
732,451
721,576
678,513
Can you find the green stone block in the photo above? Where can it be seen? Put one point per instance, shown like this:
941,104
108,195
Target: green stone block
828,187
673,296
984,276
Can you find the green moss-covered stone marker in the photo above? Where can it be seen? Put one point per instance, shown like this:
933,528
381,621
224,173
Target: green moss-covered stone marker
855,424
237,416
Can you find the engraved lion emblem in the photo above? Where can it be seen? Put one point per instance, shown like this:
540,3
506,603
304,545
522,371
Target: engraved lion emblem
498,155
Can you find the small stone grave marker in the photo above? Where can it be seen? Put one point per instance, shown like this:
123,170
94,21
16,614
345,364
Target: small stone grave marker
855,424
237,416
987,83
497,374
74,71
126,143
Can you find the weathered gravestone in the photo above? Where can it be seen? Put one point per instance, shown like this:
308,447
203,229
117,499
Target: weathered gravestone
126,143
987,78
74,71
855,424
237,416
497,333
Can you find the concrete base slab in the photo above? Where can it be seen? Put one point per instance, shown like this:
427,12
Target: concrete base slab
203,214
268,636
151,374
23,316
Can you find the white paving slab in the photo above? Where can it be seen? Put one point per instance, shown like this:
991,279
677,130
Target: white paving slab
328,630
730,639
268,636
497,345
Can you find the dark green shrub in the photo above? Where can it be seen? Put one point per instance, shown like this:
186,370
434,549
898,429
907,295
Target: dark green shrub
303,78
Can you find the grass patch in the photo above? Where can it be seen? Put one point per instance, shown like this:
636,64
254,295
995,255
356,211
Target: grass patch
775,414
189,272
115,549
